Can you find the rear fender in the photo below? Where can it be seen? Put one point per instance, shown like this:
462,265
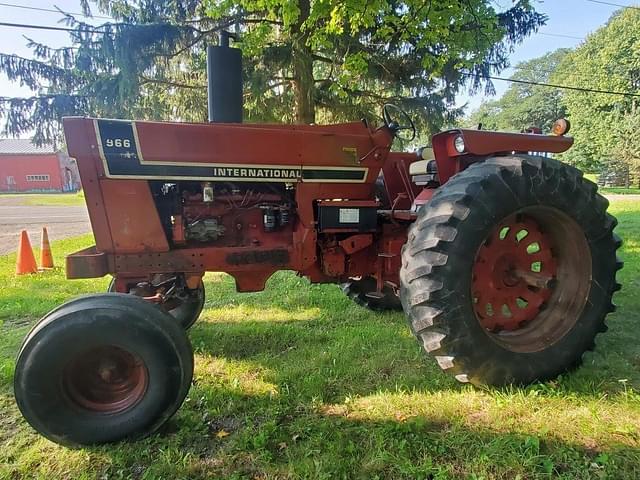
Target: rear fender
480,144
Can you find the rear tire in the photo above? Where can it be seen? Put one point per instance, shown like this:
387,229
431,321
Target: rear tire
102,368
456,293
358,290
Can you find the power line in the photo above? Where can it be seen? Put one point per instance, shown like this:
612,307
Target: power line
611,4
47,27
534,70
88,30
12,5
562,87
560,35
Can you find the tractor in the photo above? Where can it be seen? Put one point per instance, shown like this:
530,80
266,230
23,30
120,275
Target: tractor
503,261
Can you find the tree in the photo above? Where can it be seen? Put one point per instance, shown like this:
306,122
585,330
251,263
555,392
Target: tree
305,60
524,105
626,148
486,115
602,123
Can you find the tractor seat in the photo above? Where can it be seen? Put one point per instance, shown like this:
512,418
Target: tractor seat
424,171
420,167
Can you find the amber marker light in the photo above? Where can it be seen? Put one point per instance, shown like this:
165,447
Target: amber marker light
560,127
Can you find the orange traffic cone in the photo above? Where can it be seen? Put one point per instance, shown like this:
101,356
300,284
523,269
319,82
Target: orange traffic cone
46,258
26,262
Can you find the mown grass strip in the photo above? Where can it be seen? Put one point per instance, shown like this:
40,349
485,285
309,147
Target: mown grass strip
45,199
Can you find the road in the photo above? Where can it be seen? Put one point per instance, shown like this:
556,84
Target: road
61,222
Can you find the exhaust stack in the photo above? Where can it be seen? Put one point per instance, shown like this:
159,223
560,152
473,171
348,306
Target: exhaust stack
224,81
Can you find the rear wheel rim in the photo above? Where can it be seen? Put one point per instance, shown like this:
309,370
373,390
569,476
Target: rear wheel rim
106,379
531,279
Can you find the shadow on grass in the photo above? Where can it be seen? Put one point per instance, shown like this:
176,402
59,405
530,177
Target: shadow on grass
266,436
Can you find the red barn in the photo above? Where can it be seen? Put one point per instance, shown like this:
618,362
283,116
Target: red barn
26,167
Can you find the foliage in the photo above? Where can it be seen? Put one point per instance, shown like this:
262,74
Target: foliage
304,60
299,382
626,148
605,126
524,105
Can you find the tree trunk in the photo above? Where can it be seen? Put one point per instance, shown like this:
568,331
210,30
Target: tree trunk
304,85
303,82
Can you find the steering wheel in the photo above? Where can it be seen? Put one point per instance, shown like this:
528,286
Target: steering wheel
395,126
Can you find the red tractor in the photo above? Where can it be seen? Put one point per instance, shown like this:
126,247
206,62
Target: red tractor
503,262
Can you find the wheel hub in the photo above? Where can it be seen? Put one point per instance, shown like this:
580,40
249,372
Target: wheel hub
513,275
106,379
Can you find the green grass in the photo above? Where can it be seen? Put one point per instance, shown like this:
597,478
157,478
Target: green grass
48,199
297,382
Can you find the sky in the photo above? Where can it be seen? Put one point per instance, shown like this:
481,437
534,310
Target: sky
569,18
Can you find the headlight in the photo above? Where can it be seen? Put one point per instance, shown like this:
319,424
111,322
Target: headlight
459,145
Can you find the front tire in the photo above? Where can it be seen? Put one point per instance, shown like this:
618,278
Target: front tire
102,368
509,271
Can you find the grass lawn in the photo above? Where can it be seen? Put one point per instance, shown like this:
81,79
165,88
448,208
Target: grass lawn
298,382
47,199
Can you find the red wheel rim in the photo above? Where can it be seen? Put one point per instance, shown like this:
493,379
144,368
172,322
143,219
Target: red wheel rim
106,379
514,275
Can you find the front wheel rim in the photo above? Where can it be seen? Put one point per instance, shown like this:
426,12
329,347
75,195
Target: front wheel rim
106,380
